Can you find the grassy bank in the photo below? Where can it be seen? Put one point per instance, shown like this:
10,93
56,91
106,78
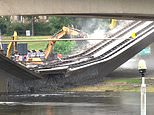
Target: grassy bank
32,45
118,85
36,45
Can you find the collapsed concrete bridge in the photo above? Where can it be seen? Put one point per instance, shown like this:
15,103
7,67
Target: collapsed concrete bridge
17,78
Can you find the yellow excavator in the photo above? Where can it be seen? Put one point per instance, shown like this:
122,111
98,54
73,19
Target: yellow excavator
49,49
12,45
63,31
113,24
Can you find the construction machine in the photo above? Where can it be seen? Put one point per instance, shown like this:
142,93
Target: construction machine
62,32
113,24
12,45
49,49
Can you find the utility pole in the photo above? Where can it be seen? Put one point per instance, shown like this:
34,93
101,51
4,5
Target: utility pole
32,22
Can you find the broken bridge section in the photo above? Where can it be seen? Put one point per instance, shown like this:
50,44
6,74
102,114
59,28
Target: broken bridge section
91,71
94,70
16,69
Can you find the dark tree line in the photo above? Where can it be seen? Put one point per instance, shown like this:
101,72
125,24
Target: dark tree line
32,23
49,26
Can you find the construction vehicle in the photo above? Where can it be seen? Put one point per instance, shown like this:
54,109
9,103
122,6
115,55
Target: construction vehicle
113,24
12,45
63,31
49,49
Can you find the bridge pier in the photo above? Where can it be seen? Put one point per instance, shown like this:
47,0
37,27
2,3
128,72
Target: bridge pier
12,84
3,81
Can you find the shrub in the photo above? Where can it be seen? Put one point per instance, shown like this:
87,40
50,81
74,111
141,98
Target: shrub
64,47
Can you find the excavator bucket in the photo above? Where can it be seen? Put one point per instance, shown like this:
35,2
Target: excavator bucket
74,33
70,31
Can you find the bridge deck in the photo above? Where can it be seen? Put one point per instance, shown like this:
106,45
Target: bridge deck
109,8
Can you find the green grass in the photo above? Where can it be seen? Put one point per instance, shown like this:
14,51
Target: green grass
115,85
127,80
62,47
33,45
118,85
36,45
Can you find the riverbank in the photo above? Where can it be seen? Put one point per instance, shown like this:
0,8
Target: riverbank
117,85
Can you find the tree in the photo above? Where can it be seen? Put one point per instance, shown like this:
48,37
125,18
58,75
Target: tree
64,47
31,20
4,23
57,22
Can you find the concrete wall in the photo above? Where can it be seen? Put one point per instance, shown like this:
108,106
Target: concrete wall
124,8
13,84
3,81
6,81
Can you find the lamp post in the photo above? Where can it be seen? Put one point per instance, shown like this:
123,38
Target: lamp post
142,69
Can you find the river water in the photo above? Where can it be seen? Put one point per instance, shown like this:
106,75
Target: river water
97,104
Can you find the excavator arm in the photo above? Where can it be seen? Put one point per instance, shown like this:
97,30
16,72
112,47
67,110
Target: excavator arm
49,49
113,24
64,31
12,45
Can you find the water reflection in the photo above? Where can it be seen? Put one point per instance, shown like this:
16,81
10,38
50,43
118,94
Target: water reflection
59,110
126,104
49,111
